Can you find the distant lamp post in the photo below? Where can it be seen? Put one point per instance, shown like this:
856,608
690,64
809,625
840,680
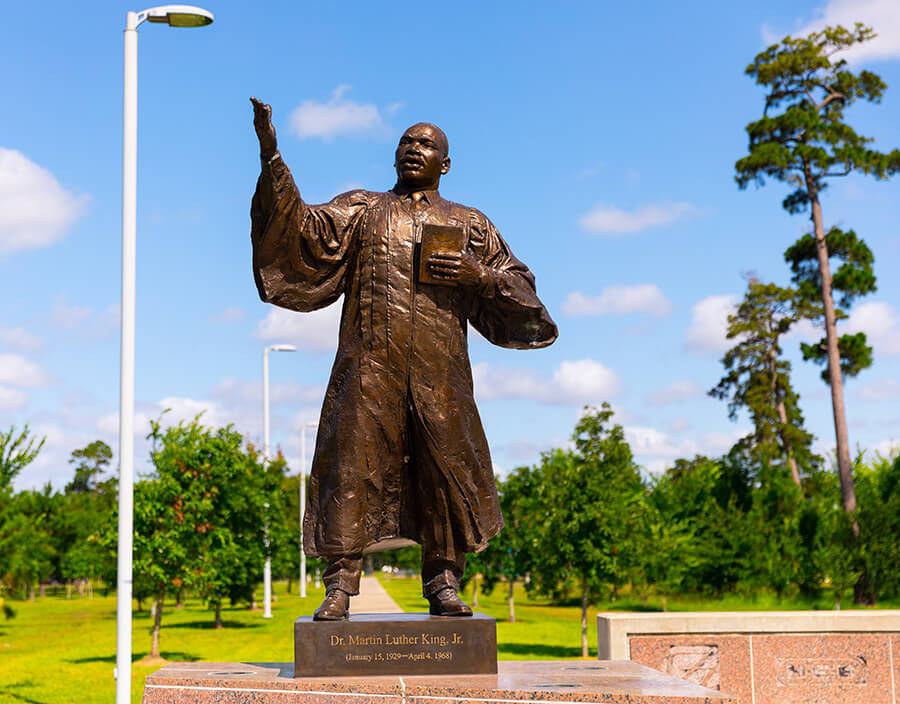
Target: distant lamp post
174,16
303,429
267,570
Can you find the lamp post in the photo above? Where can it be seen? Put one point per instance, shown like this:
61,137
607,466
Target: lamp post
303,503
267,569
174,16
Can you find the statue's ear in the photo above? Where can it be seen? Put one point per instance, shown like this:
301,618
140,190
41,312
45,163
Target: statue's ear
445,164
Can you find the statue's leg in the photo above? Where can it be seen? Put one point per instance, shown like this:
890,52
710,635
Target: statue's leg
341,580
343,572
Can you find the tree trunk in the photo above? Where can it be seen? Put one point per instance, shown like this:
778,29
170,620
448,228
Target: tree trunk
157,622
219,623
31,591
584,608
290,584
81,588
511,601
179,600
835,380
43,588
69,590
862,593
663,598
782,418
475,591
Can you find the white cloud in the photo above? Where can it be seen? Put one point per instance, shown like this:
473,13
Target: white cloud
20,339
882,15
229,315
339,116
35,210
308,331
16,370
679,425
884,390
647,442
680,390
707,332
619,300
69,317
583,381
609,220
12,399
881,324
234,392
886,448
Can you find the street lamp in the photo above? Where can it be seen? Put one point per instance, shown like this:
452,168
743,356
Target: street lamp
303,502
267,570
174,16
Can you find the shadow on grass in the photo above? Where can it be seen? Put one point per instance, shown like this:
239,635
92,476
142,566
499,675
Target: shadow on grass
8,690
165,654
211,625
556,651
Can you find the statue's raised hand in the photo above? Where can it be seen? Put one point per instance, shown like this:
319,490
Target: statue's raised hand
265,130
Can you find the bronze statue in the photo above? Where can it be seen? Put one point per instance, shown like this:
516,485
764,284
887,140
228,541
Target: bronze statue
400,451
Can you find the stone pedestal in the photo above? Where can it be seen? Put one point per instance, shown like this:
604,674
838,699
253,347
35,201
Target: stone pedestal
395,644
603,682
767,657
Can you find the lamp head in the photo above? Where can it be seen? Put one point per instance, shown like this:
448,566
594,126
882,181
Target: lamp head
180,15
283,348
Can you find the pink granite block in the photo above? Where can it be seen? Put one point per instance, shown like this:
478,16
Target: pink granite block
894,644
720,662
560,682
822,669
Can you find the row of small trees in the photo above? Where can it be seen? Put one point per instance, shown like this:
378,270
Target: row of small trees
587,522
204,520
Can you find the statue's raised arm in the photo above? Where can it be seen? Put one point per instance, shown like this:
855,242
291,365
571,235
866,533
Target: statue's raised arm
265,130
300,251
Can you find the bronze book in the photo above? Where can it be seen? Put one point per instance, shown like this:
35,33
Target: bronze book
438,238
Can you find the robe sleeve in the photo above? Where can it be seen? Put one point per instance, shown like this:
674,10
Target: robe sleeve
301,253
505,308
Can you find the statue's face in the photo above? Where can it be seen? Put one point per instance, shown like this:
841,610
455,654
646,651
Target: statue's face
421,157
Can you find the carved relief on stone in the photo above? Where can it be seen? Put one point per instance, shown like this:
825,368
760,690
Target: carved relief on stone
694,663
821,670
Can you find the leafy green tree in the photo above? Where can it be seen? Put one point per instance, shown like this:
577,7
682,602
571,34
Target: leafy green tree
854,277
590,501
90,462
17,452
803,140
509,556
878,484
26,543
757,378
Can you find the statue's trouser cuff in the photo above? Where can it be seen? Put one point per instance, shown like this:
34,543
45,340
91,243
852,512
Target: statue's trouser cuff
439,573
343,573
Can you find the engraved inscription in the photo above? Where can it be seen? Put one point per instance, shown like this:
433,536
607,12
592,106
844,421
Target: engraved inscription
821,670
694,663
389,647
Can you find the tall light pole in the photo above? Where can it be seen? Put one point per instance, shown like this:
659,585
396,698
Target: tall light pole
174,16
303,503
267,569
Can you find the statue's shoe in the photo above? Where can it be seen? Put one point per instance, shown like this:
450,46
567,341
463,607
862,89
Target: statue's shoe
336,606
447,603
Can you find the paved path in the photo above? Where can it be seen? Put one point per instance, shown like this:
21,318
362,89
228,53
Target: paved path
372,599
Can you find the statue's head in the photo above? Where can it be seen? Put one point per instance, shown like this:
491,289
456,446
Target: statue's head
422,156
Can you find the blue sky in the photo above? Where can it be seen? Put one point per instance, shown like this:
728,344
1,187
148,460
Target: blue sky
599,137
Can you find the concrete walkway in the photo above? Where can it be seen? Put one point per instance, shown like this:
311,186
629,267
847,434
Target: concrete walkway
372,599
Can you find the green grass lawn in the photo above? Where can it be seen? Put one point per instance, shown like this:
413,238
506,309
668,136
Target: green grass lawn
57,651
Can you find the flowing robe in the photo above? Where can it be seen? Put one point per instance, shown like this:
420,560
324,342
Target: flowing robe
402,358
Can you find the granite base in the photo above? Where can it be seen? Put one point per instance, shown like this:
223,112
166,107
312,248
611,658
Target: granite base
775,657
605,682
